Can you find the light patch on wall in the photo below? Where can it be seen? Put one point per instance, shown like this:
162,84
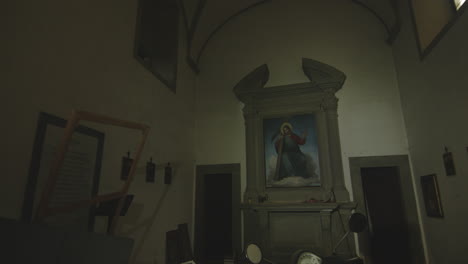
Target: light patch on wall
459,3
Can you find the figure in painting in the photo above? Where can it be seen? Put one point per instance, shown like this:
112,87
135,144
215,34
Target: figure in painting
291,151
291,160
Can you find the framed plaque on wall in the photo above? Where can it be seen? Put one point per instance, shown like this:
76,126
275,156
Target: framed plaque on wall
78,178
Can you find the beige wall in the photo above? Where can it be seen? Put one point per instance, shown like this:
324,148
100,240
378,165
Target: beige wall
434,95
64,55
280,33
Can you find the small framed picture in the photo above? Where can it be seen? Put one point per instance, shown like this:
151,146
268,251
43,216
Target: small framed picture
431,195
449,164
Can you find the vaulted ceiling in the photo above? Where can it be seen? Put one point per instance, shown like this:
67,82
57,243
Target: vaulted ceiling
203,19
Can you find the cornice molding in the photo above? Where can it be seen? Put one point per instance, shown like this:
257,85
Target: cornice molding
324,79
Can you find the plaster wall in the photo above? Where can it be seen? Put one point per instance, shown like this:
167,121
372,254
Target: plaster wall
434,93
280,33
64,55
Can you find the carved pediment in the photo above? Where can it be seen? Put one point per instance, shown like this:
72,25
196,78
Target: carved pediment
252,81
319,72
323,78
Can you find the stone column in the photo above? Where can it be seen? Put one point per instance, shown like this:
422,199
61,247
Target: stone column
330,104
251,118
325,219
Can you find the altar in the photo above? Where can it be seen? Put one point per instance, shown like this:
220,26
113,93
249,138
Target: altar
295,196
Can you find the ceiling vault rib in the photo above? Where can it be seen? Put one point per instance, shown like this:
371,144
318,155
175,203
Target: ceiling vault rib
397,26
218,28
196,18
391,25
368,8
393,31
181,6
190,30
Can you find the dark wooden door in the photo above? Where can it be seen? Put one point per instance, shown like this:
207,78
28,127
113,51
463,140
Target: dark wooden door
388,227
214,242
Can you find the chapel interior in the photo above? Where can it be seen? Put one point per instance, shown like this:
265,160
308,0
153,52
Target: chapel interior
384,80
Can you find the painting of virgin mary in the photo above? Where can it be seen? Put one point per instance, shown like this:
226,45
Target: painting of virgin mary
291,152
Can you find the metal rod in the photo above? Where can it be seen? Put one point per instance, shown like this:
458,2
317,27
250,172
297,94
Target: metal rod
339,242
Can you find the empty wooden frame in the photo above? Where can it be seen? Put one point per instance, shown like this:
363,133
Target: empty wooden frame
44,210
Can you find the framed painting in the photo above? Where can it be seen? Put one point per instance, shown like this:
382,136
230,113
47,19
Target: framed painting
431,195
291,152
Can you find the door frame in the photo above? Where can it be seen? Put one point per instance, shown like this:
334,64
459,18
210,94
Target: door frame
408,197
234,170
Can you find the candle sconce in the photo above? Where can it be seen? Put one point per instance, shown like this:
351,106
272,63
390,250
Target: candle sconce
126,165
168,174
150,171
449,164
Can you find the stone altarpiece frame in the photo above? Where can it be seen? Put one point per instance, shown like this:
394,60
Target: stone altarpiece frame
276,217
317,98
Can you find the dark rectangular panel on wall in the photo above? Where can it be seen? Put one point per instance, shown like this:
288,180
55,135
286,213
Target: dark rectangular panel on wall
293,229
290,231
281,230
156,40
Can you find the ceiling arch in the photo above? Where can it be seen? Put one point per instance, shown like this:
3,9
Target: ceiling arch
203,19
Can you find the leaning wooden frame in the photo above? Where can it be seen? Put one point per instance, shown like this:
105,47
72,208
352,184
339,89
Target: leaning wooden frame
44,210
